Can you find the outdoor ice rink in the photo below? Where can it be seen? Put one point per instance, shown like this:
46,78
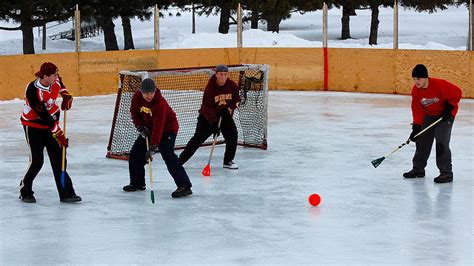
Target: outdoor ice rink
319,142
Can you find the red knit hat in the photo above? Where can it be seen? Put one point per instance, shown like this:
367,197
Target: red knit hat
47,69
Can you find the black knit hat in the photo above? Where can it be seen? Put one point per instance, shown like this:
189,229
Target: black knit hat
148,85
419,71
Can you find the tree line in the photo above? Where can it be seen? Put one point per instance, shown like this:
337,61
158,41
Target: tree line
35,13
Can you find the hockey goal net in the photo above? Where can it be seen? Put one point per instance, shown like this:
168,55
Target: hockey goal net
183,90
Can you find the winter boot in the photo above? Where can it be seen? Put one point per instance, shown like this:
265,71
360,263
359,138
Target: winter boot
413,174
132,188
444,178
28,199
73,198
182,191
230,165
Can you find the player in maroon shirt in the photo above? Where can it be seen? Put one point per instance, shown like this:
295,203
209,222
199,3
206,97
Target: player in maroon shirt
432,98
221,97
40,119
155,120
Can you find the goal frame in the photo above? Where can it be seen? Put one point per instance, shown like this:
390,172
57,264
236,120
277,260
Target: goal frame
209,70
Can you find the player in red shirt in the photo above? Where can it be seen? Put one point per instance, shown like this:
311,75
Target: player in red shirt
155,120
40,119
432,98
221,97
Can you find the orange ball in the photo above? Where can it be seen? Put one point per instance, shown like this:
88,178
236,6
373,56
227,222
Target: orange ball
314,199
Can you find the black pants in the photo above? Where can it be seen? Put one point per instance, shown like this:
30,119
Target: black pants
37,140
441,132
204,130
137,161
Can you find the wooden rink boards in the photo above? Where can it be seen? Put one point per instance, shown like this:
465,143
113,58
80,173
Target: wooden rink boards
350,70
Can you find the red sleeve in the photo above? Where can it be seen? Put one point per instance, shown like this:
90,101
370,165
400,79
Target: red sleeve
452,94
235,96
208,108
135,110
417,109
159,120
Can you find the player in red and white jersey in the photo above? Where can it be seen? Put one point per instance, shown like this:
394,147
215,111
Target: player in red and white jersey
432,98
40,119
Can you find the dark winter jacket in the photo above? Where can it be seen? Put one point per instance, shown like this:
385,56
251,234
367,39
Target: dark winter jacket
156,115
216,98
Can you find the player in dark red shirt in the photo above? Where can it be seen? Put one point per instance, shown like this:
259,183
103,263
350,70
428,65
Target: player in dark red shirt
40,119
221,97
155,120
432,98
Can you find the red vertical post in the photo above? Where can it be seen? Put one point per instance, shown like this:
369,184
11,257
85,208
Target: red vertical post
325,46
326,69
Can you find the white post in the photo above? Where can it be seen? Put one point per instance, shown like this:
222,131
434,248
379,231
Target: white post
239,26
77,31
157,28
325,25
395,25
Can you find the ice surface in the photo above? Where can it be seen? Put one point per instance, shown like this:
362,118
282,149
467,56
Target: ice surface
319,142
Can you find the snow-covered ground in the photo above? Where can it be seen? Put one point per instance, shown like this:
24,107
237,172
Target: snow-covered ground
443,30
319,142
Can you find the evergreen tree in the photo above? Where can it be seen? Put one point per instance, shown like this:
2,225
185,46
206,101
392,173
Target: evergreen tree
224,7
430,6
348,9
374,6
275,11
254,7
104,12
30,14
142,9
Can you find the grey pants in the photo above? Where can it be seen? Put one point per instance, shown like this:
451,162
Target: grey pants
442,133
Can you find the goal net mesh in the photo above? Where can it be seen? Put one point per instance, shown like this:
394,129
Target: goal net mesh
183,90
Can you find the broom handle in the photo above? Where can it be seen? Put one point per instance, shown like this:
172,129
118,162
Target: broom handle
150,172
63,159
421,132
214,142
428,127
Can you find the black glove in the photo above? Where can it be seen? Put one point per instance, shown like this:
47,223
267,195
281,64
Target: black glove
415,129
151,152
447,112
224,113
215,129
144,131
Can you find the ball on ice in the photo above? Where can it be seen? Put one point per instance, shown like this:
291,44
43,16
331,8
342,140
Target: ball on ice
314,199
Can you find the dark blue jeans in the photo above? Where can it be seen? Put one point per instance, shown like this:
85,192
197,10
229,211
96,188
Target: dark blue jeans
137,161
